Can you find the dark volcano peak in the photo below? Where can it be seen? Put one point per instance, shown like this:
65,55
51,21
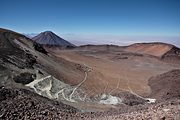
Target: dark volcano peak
48,32
50,38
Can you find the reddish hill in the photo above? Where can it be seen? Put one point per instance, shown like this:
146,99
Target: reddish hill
166,52
155,49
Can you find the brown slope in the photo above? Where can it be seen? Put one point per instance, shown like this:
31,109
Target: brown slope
8,38
172,56
166,86
12,41
154,49
19,54
11,52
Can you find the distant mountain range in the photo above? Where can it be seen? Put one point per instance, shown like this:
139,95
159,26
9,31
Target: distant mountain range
114,40
30,35
50,38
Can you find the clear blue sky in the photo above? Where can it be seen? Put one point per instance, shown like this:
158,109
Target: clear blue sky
114,17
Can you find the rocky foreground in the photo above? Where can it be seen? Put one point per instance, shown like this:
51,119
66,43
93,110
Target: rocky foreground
18,104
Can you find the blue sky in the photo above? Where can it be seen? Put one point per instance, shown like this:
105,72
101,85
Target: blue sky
93,17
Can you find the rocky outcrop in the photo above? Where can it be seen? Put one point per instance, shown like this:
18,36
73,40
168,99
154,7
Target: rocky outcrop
39,48
24,78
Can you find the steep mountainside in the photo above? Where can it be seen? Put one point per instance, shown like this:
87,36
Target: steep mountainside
172,56
49,38
11,52
166,86
18,52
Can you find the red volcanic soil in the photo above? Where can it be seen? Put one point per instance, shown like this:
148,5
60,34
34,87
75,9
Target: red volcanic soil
155,49
166,52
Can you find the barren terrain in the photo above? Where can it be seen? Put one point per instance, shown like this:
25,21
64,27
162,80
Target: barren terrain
112,71
140,81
